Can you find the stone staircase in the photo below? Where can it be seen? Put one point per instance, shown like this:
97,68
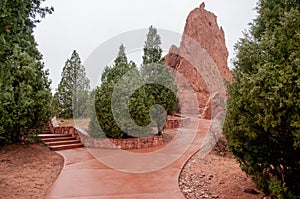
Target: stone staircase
58,142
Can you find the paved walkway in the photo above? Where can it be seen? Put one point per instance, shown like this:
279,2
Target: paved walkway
84,176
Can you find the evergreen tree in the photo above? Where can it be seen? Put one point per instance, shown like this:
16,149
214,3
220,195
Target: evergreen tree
73,90
159,81
25,95
263,123
152,49
110,114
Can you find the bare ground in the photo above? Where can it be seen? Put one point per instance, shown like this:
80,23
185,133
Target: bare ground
217,175
27,172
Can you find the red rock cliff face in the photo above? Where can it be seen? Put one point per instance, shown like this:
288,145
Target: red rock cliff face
201,57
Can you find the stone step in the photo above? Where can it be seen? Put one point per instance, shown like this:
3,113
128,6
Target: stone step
42,136
64,142
58,142
66,146
57,139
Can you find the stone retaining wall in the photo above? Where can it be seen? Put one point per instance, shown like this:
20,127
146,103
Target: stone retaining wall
56,129
177,122
110,143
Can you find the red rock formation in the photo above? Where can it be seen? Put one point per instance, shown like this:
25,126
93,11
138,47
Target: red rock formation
201,57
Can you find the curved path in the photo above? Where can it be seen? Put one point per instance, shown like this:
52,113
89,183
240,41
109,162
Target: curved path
85,177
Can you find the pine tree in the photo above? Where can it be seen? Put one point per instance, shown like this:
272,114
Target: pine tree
25,89
110,114
159,81
72,93
262,122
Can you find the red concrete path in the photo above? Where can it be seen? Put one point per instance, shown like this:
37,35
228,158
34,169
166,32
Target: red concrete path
84,176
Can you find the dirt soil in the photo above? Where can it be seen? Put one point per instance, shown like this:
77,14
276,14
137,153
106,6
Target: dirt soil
65,122
27,172
217,175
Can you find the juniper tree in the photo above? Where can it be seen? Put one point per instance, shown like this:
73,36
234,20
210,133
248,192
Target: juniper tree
159,81
112,100
72,93
262,124
25,88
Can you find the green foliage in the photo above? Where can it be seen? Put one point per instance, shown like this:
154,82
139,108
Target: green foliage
25,94
128,100
161,88
113,101
263,123
72,95
104,117
159,81
152,49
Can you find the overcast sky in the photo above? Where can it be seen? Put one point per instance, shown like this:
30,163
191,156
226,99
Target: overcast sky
83,25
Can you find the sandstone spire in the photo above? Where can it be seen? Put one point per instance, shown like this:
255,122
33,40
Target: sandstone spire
201,29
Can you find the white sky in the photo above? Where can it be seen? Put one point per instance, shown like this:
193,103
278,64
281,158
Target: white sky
83,25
